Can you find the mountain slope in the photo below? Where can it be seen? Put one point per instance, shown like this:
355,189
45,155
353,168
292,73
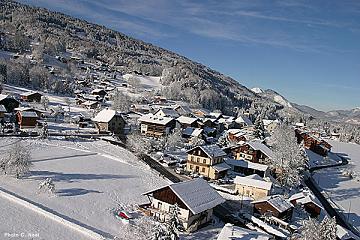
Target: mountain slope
58,34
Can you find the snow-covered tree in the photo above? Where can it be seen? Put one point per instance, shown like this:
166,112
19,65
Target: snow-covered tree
290,160
16,161
45,102
259,129
313,230
170,229
44,133
197,141
47,186
121,101
174,139
223,140
138,144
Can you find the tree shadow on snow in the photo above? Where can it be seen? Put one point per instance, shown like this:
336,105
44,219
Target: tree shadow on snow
72,177
69,192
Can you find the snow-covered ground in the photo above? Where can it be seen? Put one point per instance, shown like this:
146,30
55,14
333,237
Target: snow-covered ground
316,160
18,222
91,178
343,190
145,81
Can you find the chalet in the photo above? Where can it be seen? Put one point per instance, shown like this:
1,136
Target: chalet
31,96
253,151
109,120
237,135
248,168
308,201
190,132
183,110
313,143
201,112
252,186
40,113
231,232
99,92
275,205
184,122
90,104
141,108
209,122
208,161
155,126
215,115
196,200
243,121
27,119
270,125
227,122
2,111
167,112
8,102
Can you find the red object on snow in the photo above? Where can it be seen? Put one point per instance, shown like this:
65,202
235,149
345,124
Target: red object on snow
124,215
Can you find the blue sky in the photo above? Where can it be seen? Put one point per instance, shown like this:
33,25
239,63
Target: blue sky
309,51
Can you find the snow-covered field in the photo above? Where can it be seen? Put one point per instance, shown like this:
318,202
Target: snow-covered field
91,178
344,191
18,222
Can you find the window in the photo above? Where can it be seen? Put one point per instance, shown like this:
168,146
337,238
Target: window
203,169
192,158
191,167
198,159
159,205
204,160
248,193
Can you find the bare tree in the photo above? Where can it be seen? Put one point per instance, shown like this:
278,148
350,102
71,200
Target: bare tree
314,230
138,144
174,139
45,102
47,186
16,161
121,101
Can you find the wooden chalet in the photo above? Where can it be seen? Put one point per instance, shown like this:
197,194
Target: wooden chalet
313,143
208,161
9,102
99,92
308,201
2,111
248,168
274,205
185,122
254,151
31,96
167,112
27,119
155,126
195,199
109,120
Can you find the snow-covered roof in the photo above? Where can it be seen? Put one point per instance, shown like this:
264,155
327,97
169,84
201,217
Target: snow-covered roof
168,112
305,197
89,103
258,145
233,131
29,114
267,122
196,194
221,167
105,115
247,164
212,151
194,132
2,108
186,120
253,181
277,201
231,232
215,114
3,96
151,118
29,93
243,119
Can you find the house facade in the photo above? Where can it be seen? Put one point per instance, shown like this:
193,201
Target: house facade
155,126
208,161
27,119
195,200
274,205
254,151
109,120
31,96
252,186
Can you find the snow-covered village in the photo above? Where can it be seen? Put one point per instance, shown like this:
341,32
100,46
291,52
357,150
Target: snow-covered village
103,136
